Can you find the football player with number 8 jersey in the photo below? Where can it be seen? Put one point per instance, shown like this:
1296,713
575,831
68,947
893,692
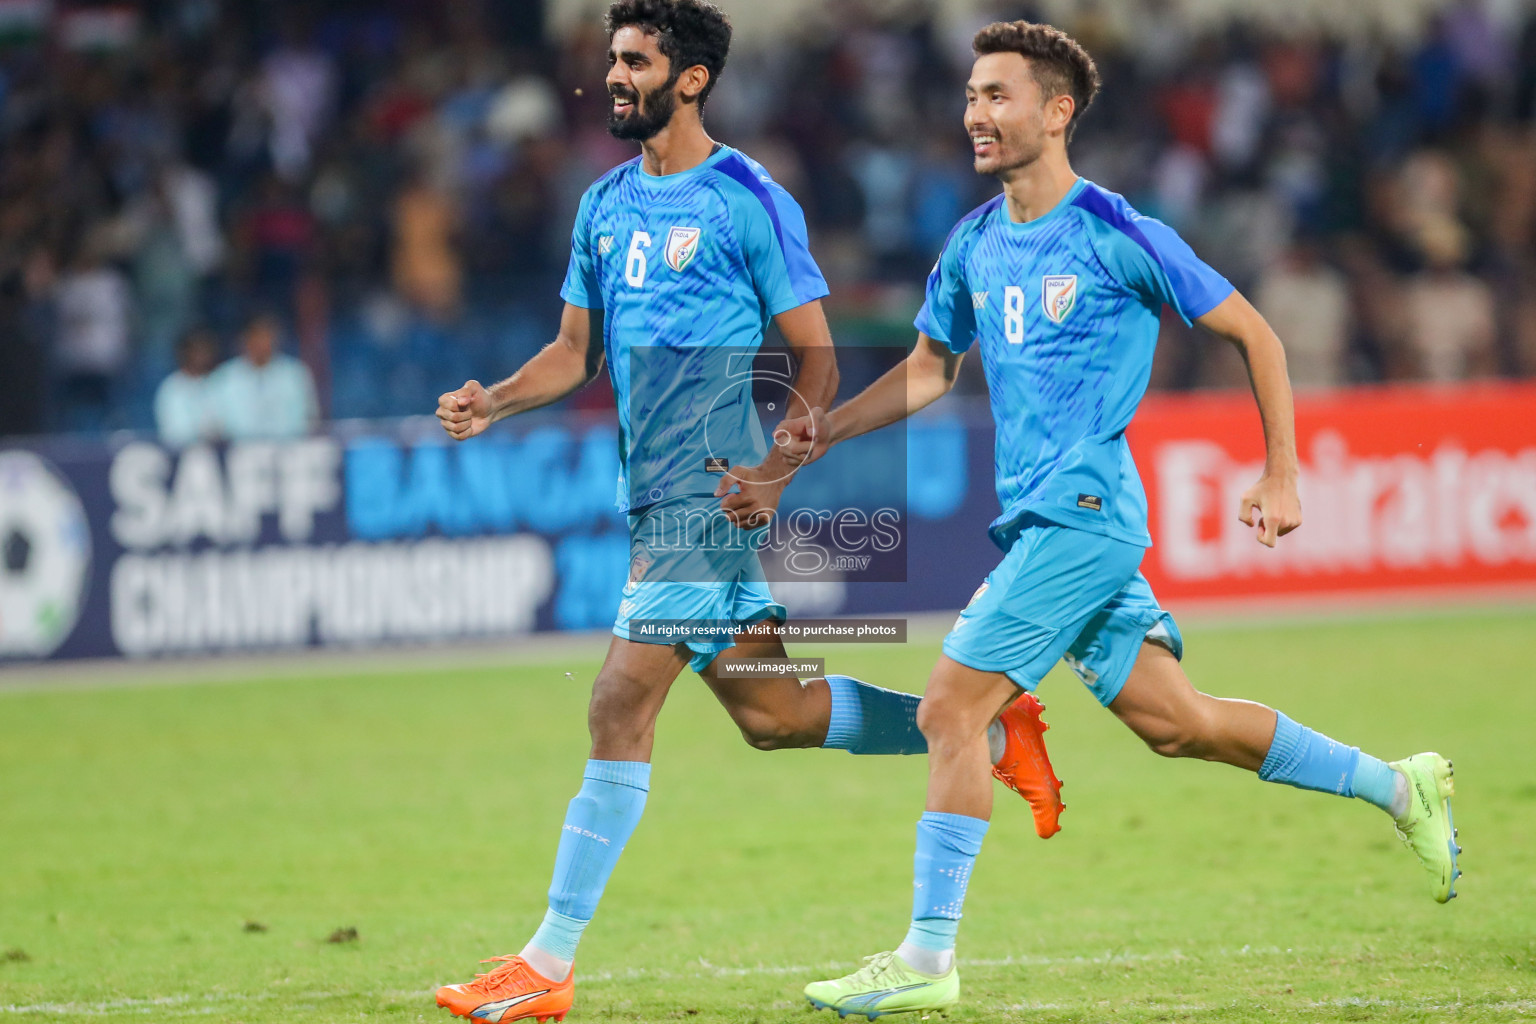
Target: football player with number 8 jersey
1061,284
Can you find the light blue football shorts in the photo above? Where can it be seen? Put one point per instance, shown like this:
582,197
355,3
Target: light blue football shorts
694,578
1063,594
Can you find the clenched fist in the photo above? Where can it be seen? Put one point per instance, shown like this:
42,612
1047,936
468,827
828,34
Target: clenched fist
804,439
465,412
1273,506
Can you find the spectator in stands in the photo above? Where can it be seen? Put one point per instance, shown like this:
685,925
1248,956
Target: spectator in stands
264,393
1450,314
427,271
186,405
94,310
276,237
25,281
165,281
1307,303
297,88
242,154
193,200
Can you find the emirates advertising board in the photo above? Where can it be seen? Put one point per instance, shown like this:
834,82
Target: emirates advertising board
1406,491
384,534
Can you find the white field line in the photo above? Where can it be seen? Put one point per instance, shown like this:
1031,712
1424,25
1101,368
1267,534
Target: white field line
553,648
255,666
202,1005
1520,1007
185,1005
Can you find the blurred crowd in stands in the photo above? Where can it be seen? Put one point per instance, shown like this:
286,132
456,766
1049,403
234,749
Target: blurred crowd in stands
385,191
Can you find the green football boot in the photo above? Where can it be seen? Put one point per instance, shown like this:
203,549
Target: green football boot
1426,827
885,984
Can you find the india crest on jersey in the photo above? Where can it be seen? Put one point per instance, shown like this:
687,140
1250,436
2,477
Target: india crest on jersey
1058,295
682,246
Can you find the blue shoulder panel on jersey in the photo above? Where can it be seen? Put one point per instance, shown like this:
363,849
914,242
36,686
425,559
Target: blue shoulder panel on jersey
581,286
1098,204
608,178
947,316
976,214
797,258
1197,288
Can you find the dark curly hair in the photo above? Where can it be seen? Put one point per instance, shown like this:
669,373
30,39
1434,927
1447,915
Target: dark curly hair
1058,63
689,32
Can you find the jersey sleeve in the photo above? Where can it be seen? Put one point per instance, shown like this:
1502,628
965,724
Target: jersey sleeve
778,252
1149,258
581,286
948,316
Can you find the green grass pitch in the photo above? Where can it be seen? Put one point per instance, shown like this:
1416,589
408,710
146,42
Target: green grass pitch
171,852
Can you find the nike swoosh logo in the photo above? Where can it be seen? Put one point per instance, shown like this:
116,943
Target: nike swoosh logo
494,1011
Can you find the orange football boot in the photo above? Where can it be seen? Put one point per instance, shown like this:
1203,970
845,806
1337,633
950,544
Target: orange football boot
1025,767
513,991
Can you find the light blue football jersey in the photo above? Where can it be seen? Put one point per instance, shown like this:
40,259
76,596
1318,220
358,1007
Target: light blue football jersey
688,268
1066,308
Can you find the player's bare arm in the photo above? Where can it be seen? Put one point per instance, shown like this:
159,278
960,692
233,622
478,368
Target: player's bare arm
562,366
758,488
1272,504
926,375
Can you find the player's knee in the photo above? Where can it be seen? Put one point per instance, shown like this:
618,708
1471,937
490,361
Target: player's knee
619,709
943,719
930,716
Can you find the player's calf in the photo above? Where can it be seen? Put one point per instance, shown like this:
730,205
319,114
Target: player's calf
955,714
767,730
1174,719
1201,731
837,712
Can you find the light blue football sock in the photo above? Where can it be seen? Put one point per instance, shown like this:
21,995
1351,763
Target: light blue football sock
872,720
933,933
598,822
947,845
1306,759
1377,782
558,935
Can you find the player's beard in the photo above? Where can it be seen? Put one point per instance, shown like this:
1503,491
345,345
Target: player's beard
649,113
1017,151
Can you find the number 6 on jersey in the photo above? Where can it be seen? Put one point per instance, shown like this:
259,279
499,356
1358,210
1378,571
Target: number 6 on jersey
634,265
